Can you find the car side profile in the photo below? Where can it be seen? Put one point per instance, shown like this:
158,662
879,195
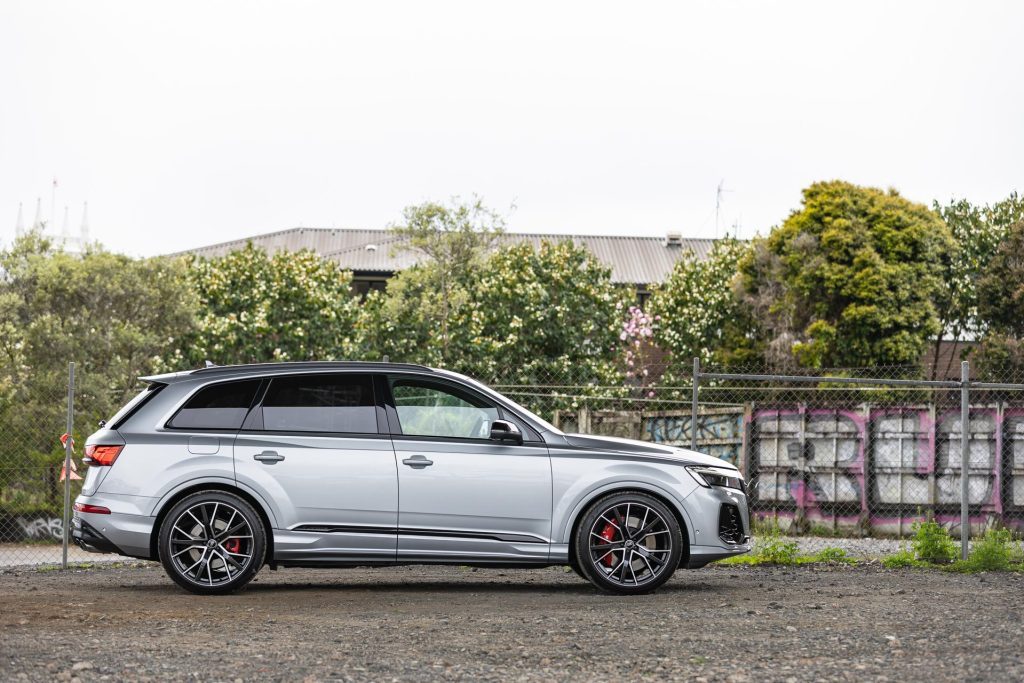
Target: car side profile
219,471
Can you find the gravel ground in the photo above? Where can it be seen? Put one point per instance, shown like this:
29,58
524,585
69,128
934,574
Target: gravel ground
429,623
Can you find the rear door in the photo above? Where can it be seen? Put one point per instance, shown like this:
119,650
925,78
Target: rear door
463,496
314,450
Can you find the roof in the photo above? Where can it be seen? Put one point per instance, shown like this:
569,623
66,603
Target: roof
281,367
634,260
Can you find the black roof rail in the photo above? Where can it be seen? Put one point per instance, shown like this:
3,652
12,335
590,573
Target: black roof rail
310,365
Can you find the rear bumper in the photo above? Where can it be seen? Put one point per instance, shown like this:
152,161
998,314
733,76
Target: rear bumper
122,531
90,540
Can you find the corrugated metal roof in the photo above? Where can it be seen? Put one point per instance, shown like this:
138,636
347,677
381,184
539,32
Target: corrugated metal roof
633,260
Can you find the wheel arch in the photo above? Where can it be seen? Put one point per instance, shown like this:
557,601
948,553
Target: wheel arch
173,499
585,504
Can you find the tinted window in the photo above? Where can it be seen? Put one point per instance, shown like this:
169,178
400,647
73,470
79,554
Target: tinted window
321,403
426,409
219,406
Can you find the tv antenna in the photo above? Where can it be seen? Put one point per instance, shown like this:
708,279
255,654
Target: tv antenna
718,203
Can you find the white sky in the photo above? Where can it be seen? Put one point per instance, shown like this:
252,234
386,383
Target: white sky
185,124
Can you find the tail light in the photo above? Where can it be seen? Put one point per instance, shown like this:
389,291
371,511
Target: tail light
101,455
95,509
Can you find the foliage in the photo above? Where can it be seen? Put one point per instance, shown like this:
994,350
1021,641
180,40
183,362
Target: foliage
517,314
1001,304
430,297
254,307
995,551
833,556
901,559
696,311
639,350
544,313
115,316
977,232
772,548
932,543
847,281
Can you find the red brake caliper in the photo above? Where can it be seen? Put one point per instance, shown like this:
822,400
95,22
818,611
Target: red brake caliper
233,545
608,534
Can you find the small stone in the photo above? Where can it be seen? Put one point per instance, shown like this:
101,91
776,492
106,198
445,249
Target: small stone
791,629
81,666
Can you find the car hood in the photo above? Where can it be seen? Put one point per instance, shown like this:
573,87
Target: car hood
631,447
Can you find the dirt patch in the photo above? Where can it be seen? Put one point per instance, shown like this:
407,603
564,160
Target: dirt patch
426,623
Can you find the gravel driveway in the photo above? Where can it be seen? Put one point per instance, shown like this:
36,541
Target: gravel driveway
430,623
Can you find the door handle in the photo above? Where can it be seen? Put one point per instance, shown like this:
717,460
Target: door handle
268,457
417,462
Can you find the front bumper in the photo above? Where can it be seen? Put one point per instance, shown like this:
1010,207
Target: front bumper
721,525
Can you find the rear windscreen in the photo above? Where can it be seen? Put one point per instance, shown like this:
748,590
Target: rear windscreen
129,408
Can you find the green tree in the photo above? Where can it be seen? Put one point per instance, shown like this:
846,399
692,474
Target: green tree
849,280
977,232
543,314
424,300
1001,307
696,311
254,307
113,315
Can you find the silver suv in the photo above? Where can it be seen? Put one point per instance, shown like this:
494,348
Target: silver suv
218,471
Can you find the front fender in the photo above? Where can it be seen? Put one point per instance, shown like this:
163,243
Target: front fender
577,495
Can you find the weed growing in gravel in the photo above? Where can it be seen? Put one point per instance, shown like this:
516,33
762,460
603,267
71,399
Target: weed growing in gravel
932,543
774,549
995,551
903,558
833,556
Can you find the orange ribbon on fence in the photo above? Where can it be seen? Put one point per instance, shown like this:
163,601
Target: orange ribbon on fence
74,468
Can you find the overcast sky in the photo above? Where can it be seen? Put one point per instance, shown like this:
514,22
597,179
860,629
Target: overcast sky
184,124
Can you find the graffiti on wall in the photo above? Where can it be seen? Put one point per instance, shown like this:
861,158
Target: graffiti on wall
882,468
40,527
877,468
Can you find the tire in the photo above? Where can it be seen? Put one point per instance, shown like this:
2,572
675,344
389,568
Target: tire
212,542
576,566
649,551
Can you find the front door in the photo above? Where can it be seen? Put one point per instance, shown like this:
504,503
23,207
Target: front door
462,496
312,449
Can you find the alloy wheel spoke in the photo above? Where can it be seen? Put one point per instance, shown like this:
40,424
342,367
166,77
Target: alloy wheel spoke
641,550
230,553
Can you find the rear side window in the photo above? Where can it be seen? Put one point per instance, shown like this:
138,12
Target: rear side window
133,405
321,403
219,406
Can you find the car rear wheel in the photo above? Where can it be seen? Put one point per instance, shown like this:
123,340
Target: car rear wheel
212,542
628,543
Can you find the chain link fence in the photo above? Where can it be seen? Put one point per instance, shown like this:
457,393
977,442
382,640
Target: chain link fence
848,457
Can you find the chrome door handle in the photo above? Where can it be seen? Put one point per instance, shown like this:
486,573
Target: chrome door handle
268,457
417,462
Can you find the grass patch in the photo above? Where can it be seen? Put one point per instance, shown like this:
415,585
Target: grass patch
772,548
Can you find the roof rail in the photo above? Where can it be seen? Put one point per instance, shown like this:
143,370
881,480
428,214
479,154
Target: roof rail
308,364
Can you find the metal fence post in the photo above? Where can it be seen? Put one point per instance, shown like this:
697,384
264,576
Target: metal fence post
67,466
693,406
965,450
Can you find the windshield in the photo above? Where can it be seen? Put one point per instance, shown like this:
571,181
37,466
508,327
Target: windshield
522,410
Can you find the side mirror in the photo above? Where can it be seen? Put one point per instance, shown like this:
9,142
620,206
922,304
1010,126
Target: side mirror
503,430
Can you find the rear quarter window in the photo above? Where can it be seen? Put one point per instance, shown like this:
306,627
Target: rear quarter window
218,406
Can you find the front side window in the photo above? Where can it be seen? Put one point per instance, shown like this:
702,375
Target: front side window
427,409
218,406
321,403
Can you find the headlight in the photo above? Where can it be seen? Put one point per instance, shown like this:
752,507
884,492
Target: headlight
714,476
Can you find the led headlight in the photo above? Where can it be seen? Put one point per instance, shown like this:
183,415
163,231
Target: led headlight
715,476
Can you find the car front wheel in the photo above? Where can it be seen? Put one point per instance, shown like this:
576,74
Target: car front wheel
628,543
212,542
